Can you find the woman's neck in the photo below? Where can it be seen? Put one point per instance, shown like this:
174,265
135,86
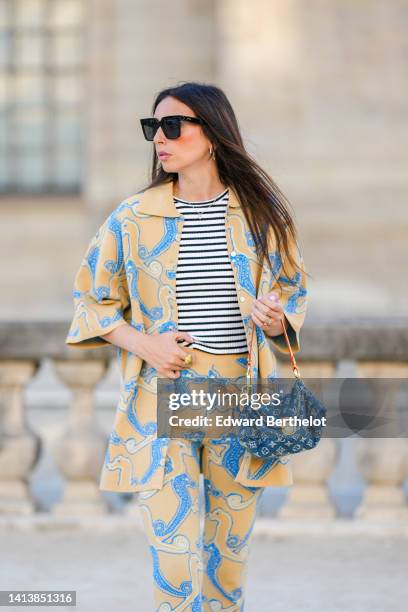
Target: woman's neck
193,193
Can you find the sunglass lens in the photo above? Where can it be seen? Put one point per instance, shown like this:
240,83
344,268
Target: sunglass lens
149,129
171,127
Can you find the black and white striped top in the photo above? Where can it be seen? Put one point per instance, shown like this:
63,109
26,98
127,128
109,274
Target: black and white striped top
206,295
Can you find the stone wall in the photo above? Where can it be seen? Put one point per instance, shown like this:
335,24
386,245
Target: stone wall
319,89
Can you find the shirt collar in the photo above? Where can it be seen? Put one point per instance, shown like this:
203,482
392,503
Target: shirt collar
158,201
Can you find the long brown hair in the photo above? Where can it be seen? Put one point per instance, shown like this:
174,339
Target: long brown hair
263,203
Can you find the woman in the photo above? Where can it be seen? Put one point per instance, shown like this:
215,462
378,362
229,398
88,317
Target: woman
176,278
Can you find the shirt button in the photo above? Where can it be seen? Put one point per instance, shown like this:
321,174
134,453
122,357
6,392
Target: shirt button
233,253
241,298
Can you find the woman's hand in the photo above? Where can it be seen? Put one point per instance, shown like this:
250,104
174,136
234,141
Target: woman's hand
163,352
267,313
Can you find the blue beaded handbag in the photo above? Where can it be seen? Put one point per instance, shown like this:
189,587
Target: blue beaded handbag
266,441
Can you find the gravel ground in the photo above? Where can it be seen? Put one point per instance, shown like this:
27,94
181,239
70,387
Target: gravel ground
111,571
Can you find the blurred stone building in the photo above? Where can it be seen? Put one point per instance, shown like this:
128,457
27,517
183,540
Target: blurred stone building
319,89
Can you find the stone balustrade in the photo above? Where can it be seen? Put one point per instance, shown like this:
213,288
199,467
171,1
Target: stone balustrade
332,348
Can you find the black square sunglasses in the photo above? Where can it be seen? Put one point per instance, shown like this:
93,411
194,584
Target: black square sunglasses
171,125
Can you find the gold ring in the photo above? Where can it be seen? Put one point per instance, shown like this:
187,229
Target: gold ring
187,359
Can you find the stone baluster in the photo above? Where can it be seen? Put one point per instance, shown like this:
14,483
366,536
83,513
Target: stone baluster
308,497
19,445
79,451
383,462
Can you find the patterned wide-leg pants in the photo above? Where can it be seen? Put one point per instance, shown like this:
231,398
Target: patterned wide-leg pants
200,562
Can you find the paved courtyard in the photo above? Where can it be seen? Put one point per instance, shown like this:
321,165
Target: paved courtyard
110,570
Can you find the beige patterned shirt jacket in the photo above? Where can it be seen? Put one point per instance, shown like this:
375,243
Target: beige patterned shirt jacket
128,274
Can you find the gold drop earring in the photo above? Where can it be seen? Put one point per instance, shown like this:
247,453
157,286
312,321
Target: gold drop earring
212,152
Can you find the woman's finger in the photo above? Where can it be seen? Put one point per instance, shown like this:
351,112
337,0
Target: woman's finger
266,312
261,321
261,308
265,301
256,320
